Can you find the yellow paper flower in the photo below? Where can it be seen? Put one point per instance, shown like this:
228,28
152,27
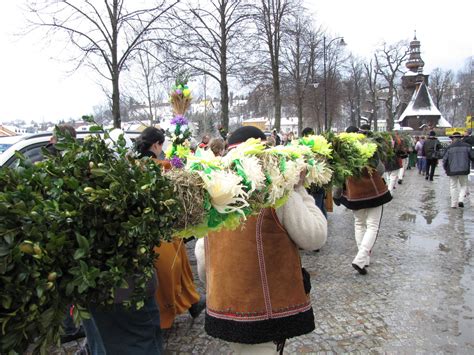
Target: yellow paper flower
204,157
182,151
251,146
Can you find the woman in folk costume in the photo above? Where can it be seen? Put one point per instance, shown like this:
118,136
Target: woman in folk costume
365,195
256,298
176,292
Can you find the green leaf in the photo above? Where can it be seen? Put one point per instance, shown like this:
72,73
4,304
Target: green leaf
82,241
79,254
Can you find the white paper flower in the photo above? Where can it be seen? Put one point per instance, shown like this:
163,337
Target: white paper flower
226,191
204,157
292,173
319,173
251,146
277,180
253,171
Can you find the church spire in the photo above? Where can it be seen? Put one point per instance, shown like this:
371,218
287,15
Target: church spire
415,63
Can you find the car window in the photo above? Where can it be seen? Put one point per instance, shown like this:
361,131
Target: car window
32,153
4,147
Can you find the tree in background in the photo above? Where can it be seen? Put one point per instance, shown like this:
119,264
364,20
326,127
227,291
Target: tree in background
373,92
388,64
210,38
106,33
355,89
297,63
270,18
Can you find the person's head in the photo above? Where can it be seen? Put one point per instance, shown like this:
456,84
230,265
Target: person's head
308,131
241,134
205,139
468,132
274,132
217,145
63,130
432,134
417,138
352,129
456,136
271,141
364,127
422,138
150,140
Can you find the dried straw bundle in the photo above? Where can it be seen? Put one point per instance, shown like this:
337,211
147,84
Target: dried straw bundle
179,103
190,191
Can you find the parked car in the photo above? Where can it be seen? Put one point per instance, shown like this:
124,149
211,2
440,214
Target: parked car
6,142
31,146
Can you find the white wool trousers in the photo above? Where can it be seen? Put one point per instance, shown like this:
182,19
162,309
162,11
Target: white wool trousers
392,177
366,223
458,188
401,171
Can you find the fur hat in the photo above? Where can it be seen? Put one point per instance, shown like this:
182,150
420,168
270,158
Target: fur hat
455,135
243,133
352,129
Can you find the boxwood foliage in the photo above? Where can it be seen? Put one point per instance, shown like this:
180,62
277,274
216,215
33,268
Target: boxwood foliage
74,228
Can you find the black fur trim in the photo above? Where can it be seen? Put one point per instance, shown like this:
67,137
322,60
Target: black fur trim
257,332
373,202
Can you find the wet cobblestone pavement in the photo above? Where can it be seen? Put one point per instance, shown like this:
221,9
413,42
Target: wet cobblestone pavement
418,295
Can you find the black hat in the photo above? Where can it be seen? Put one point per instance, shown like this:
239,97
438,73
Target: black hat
455,135
243,133
352,129
307,131
432,134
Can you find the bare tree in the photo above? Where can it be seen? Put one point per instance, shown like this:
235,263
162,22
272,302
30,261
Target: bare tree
270,20
210,39
355,92
314,101
106,33
146,80
297,63
388,63
372,79
440,83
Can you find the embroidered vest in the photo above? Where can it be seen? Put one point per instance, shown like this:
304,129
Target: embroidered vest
255,287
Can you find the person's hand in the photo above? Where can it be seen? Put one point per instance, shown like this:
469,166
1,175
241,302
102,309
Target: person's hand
302,178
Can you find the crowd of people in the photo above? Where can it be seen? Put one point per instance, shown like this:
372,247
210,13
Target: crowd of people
251,301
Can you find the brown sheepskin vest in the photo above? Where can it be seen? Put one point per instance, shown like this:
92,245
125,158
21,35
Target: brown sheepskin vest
255,287
368,190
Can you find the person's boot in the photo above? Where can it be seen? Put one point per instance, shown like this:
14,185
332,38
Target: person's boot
196,309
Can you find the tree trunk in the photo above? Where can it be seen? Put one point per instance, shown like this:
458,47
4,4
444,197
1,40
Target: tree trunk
116,100
276,98
223,70
224,101
300,114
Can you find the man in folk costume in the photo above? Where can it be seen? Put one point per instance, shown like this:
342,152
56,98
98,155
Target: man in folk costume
430,150
365,195
456,163
255,293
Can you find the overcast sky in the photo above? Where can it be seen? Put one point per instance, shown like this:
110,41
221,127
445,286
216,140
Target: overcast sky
34,86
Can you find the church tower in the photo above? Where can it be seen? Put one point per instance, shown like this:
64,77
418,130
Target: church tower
416,108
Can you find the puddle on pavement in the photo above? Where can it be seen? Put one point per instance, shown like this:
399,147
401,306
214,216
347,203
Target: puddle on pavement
422,242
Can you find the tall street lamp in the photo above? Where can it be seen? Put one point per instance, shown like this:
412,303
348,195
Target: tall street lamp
341,43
